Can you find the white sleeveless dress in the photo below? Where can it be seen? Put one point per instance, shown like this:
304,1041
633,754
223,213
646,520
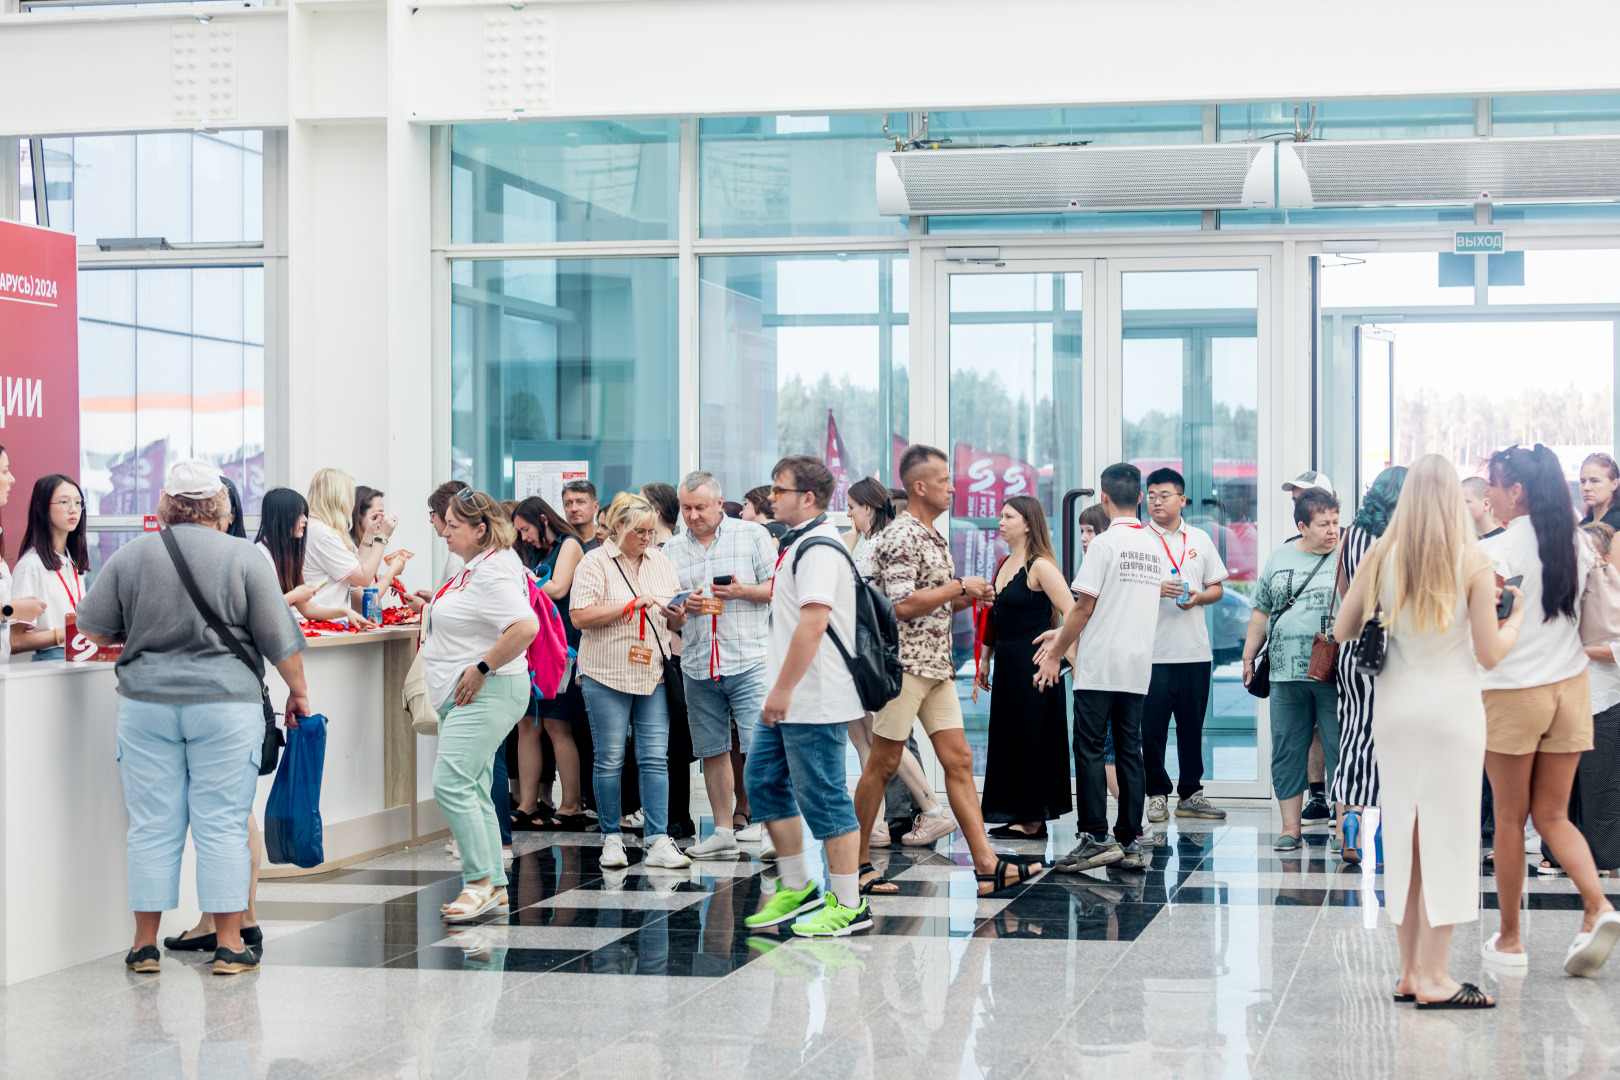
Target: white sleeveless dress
1429,735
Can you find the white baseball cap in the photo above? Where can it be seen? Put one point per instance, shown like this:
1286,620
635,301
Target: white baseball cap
193,479
1307,480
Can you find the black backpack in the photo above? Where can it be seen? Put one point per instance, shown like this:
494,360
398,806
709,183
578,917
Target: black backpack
875,662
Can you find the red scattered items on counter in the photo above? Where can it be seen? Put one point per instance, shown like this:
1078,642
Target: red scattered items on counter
394,616
400,616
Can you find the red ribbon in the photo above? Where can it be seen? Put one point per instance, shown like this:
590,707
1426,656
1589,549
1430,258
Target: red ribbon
714,646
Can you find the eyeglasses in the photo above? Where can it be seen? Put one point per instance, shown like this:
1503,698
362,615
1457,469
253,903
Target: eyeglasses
1163,497
70,504
778,492
645,534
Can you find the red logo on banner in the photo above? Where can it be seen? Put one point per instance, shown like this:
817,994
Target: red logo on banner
39,355
985,480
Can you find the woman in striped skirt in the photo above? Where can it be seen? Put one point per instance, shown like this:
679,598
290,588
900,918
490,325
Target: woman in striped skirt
1355,782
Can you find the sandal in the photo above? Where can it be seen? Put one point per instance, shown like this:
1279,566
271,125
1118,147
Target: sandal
483,896
872,886
999,878
1007,832
1351,852
564,823
1402,999
1468,996
526,822
746,821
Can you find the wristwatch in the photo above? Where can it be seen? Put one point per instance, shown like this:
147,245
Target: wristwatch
379,540
483,668
7,611
962,583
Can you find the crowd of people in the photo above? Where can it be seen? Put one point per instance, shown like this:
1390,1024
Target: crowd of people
1447,658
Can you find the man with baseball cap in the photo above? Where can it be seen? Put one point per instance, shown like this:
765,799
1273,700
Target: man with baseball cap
1306,481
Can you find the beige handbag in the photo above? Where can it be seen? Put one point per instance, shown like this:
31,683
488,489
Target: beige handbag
1600,605
424,717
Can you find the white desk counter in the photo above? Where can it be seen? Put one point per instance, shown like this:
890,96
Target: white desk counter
62,819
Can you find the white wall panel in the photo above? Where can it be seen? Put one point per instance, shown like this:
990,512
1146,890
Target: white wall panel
83,73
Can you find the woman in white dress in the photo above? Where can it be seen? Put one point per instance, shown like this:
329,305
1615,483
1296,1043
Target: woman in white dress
1430,584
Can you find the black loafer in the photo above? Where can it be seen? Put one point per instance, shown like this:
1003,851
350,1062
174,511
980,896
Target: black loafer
144,959
253,938
200,943
227,962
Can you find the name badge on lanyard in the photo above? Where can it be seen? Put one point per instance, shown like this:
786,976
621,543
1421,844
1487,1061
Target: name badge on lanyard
639,654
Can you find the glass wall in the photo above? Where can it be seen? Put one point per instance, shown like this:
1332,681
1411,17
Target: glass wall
1432,118
186,187
1129,125
564,180
171,366
1554,114
802,354
793,176
1015,428
1190,402
564,360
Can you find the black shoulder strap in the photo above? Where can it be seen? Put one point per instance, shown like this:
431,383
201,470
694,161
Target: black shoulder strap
215,623
827,541
1297,593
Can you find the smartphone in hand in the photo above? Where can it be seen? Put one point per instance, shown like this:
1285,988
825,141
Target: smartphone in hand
1504,606
722,579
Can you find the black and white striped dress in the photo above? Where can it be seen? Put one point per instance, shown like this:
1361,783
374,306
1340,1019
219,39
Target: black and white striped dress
1355,781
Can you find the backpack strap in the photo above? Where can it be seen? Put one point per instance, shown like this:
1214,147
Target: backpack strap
827,541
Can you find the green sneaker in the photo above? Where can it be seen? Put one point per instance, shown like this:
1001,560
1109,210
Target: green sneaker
836,920
785,904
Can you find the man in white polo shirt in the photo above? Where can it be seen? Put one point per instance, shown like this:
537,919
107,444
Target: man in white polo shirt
1182,658
1114,618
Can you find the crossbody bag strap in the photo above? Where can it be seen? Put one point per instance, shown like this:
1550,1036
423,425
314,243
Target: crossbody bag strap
634,592
215,623
1296,595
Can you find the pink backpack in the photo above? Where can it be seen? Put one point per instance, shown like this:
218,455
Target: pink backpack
548,652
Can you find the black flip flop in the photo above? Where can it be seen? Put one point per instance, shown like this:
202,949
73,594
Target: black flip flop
1403,999
1468,996
868,868
999,878
1007,832
562,823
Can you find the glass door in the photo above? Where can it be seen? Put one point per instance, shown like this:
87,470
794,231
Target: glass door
1375,404
1188,349
1013,349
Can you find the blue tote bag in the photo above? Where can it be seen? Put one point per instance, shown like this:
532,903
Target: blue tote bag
292,816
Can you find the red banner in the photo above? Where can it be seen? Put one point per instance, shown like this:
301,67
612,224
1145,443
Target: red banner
838,464
39,358
984,481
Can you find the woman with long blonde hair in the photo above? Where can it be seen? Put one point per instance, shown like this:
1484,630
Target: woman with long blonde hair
333,562
1429,584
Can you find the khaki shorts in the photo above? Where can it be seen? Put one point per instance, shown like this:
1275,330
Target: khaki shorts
934,702
1551,719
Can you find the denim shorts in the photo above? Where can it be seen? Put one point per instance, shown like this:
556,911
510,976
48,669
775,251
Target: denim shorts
798,769
711,704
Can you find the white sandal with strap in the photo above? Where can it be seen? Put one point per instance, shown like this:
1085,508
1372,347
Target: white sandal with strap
484,897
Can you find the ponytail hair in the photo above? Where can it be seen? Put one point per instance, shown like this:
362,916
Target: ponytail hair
1546,496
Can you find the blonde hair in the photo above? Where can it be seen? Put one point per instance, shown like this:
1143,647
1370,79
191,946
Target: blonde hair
1427,545
475,508
628,509
331,502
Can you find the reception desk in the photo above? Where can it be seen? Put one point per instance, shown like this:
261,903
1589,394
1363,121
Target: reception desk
62,820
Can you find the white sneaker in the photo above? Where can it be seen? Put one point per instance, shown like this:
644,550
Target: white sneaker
1157,810
926,828
450,847
613,857
880,834
1590,949
665,855
767,850
719,845
751,835
1532,840
506,856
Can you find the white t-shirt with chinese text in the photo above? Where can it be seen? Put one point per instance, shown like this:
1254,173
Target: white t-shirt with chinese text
1122,569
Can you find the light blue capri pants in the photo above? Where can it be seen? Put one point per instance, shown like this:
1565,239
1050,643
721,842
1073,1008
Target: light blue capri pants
196,767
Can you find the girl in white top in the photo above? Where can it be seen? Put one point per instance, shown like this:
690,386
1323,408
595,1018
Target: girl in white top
333,563
283,530
367,519
23,608
52,566
1538,703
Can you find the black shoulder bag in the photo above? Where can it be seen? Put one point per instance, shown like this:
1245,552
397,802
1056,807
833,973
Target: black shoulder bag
1260,684
273,739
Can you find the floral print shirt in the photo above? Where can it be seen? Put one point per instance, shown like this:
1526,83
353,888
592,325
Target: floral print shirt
909,556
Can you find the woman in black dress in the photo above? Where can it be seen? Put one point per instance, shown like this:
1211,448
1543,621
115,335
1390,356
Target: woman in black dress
1026,773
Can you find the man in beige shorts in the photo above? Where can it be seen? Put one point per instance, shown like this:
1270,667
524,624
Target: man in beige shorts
913,568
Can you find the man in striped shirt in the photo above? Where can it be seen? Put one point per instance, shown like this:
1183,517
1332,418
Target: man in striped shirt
728,565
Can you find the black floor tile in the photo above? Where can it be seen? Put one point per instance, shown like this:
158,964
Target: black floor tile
496,958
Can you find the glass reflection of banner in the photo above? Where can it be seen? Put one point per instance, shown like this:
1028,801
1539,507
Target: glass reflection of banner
1231,520
136,478
985,480
839,464
977,551
900,445
247,473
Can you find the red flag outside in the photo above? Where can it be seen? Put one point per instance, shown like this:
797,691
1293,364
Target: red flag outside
839,464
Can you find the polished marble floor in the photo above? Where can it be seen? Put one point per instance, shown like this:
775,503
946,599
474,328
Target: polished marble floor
1222,960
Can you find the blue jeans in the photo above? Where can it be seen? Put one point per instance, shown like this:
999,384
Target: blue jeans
59,652
500,794
798,769
189,766
711,704
611,714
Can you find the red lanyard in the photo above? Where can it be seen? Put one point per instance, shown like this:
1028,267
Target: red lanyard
714,646
72,599
629,609
1176,565
460,580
